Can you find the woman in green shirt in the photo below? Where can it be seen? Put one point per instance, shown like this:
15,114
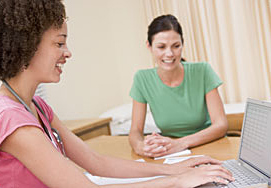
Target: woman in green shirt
182,96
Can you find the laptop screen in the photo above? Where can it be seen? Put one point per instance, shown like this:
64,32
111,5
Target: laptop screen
255,147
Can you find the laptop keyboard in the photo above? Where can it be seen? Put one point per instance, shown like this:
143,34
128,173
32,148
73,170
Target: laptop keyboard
243,177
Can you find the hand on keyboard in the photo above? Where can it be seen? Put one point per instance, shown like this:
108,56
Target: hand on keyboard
205,174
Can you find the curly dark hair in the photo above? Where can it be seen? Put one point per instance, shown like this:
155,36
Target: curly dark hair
22,24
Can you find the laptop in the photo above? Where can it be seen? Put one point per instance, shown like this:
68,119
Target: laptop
254,158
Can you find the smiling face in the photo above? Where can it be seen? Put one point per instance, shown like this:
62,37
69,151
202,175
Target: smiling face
167,49
47,63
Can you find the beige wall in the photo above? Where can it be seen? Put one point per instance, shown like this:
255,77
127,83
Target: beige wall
107,40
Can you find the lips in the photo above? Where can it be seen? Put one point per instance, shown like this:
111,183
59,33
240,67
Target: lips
59,67
168,61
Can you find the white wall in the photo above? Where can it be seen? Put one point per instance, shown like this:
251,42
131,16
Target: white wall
107,40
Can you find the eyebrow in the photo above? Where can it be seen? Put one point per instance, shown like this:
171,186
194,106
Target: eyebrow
162,43
62,35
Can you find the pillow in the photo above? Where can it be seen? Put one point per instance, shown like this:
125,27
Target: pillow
119,114
122,118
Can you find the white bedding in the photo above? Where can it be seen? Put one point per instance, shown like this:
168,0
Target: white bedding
121,120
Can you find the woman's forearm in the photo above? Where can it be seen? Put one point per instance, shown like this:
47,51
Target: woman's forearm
136,139
107,166
120,168
206,135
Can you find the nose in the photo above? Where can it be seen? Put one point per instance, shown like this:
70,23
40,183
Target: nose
169,52
67,53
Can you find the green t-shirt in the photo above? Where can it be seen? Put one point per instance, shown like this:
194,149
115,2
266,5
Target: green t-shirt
177,111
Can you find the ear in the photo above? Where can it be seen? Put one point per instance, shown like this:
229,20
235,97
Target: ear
148,45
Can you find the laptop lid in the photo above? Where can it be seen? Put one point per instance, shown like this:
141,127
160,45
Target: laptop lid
255,149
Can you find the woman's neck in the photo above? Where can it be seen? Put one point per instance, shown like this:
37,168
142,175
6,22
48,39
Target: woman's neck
172,78
22,87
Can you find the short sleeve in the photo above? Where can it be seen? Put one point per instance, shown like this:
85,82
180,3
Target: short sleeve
137,88
13,118
45,107
211,79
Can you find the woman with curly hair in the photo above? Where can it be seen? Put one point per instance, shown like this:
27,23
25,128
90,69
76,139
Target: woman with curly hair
33,50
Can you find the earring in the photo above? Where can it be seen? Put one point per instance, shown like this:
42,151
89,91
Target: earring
24,67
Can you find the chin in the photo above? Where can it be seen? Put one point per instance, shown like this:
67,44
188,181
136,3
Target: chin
55,80
169,67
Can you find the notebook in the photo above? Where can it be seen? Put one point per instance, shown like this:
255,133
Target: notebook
254,158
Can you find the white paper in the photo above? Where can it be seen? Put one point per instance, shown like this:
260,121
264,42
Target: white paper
178,159
105,181
140,160
184,152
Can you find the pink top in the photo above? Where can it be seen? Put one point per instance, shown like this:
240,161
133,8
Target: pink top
13,174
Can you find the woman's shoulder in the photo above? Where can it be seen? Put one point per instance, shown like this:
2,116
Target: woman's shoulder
145,72
12,112
195,64
7,104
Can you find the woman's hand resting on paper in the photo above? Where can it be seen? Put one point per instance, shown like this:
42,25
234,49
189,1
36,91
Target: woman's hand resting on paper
156,145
